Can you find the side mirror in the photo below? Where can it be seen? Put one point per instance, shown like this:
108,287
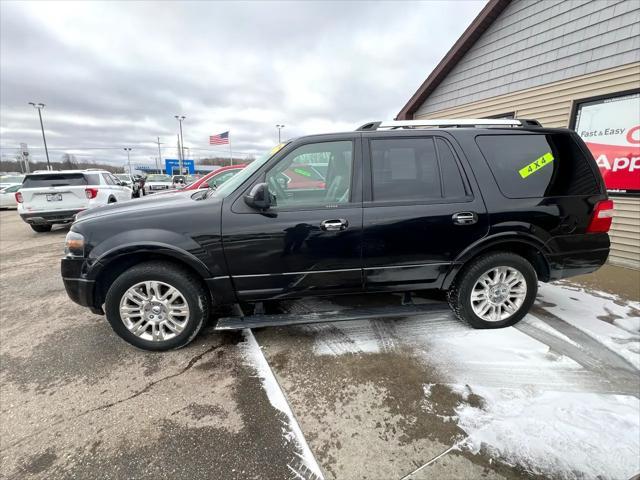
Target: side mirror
260,198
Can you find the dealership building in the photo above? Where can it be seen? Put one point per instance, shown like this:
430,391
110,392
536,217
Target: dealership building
570,63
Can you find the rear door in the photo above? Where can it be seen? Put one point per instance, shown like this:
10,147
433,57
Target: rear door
421,210
54,191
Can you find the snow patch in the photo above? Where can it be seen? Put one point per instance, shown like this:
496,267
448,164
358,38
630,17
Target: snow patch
622,336
292,432
551,433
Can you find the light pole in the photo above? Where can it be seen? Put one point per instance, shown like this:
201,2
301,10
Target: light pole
39,107
279,127
159,156
180,118
128,150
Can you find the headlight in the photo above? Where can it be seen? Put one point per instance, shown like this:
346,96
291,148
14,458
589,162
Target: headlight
74,244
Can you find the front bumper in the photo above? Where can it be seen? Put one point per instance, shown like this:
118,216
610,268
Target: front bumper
50,218
79,289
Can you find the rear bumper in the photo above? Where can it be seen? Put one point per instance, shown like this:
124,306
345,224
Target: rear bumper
594,254
50,218
79,289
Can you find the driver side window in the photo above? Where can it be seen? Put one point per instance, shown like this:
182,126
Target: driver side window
317,175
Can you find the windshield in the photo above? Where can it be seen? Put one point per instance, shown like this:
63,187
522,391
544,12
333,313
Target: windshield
230,185
123,176
158,178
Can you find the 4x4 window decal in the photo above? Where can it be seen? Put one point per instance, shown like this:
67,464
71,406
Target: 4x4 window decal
536,165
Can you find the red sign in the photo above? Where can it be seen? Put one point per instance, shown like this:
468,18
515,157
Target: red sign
611,129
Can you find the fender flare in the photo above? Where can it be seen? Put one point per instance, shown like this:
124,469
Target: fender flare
110,256
489,242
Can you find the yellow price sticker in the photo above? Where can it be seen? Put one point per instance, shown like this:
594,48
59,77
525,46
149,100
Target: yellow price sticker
276,149
536,165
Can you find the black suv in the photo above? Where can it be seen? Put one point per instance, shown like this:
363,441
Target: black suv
483,209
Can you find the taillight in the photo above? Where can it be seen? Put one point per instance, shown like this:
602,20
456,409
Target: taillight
602,217
18,197
91,192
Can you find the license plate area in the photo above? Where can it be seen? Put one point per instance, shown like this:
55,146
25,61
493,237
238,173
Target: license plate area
54,197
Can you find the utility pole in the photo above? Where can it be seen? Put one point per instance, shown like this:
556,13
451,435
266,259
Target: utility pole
128,150
39,107
279,127
159,155
180,118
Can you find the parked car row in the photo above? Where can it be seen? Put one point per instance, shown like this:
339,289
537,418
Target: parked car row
47,198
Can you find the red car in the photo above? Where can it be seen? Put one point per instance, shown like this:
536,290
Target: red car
215,178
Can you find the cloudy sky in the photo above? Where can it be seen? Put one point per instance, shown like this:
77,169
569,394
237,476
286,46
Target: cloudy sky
114,74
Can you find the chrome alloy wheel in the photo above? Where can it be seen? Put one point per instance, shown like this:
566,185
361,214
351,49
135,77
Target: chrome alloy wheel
498,294
154,311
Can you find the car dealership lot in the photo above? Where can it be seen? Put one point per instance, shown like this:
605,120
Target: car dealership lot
424,397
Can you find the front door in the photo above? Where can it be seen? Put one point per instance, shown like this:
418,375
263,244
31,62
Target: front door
420,211
311,241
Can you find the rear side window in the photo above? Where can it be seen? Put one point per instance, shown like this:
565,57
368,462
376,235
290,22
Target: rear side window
108,179
405,169
54,180
527,166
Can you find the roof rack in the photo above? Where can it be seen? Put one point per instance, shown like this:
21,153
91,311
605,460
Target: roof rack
449,123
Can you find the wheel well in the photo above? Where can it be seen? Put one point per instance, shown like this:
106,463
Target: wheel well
112,199
114,269
526,250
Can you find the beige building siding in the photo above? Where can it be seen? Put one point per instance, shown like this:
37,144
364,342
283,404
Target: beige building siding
551,104
625,239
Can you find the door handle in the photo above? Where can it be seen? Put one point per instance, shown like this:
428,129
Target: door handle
338,224
465,218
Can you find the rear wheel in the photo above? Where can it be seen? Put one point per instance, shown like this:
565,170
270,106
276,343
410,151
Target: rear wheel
41,228
494,291
157,306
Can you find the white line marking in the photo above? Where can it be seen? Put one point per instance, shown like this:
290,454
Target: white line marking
278,400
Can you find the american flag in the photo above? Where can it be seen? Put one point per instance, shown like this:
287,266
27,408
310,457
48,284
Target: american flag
220,139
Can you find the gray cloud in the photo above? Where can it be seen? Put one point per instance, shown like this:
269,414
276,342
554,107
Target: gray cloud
114,73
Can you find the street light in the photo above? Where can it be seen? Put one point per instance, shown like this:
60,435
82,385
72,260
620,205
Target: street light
128,150
39,107
279,127
180,118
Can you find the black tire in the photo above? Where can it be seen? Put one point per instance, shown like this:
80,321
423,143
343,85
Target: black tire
111,200
459,295
41,228
190,287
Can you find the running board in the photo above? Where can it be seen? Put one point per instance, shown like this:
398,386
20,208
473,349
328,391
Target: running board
280,319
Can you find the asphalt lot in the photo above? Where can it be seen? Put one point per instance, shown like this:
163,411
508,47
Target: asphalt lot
422,397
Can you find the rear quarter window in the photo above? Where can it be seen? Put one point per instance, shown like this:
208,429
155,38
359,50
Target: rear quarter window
54,180
538,165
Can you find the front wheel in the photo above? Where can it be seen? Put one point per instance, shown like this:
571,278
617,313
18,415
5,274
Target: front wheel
494,291
157,306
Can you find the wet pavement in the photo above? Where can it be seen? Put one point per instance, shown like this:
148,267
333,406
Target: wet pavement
421,397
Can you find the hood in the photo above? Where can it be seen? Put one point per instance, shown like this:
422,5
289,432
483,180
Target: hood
177,199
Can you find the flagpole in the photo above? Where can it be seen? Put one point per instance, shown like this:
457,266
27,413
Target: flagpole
230,152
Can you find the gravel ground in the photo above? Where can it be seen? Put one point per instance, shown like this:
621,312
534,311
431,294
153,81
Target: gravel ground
422,397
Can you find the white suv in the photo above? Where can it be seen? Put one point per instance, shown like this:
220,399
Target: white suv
50,197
